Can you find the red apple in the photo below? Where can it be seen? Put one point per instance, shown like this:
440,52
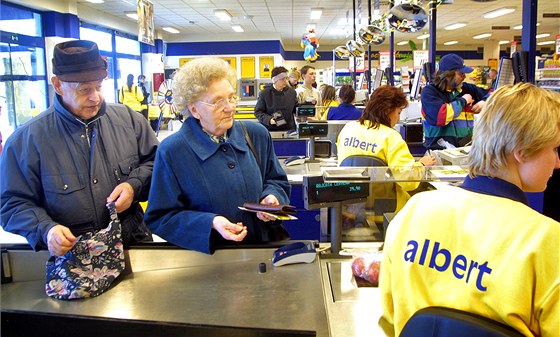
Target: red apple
371,274
358,266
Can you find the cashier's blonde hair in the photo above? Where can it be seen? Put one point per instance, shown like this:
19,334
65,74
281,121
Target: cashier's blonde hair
192,80
523,117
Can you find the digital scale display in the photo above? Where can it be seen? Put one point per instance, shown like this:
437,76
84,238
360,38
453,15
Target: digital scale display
318,193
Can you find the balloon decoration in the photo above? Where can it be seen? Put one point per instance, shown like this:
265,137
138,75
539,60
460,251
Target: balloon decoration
406,17
310,43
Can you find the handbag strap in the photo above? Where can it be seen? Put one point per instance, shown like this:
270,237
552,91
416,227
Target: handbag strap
112,211
251,145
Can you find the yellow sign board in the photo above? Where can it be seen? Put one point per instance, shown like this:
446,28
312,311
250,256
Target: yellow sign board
266,63
248,67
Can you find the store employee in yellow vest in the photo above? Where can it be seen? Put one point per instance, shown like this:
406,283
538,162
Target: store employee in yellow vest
132,96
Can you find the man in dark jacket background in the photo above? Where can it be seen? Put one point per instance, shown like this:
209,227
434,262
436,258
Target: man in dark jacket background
276,105
60,169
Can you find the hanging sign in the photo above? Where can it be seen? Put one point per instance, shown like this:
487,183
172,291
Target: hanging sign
420,57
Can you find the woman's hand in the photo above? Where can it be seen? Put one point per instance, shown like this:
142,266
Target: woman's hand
228,230
268,200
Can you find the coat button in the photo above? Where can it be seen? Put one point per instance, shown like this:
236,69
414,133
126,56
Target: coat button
223,148
95,180
231,165
65,187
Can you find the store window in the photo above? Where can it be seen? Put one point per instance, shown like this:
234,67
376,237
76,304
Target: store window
123,56
23,81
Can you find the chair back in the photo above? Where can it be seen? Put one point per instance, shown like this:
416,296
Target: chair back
362,161
447,322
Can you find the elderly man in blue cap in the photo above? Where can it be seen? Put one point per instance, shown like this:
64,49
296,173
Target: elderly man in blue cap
59,170
449,105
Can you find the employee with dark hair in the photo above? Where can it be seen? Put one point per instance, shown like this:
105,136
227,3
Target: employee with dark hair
449,104
276,105
346,110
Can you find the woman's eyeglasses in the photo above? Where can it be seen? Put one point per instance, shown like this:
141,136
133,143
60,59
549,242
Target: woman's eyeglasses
223,103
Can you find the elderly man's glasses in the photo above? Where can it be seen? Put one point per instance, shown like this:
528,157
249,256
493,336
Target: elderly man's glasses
223,103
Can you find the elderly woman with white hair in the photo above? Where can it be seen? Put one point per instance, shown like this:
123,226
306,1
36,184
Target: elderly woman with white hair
212,165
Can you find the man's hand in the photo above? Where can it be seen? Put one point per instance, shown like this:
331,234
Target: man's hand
228,230
60,240
122,195
468,98
268,200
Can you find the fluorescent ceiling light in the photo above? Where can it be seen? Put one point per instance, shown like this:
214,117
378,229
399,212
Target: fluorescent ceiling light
540,36
316,13
546,42
482,36
504,42
237,28
518,27
455,26
449,43
402,43
499,12
310,26
171,30
132,15
423,36
222,14
96,1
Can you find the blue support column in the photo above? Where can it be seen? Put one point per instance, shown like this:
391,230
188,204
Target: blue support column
61,25
528,36
432,31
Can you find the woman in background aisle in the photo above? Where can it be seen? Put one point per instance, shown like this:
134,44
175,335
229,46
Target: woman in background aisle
203,172
141,84
130,95
346,110
373,135
328,94
294,76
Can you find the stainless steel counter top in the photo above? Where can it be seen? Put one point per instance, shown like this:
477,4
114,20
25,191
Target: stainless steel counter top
180,286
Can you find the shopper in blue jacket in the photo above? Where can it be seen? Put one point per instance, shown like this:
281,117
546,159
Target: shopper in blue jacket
59,169
206,170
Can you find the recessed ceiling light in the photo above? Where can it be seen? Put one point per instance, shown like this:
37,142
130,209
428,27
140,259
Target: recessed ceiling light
482,36
96,1
540,36
132,15
170,30
521,26
504,42
423,36
545,43
316,13
449,43
402,43
237,28
455,26
499,12
222,14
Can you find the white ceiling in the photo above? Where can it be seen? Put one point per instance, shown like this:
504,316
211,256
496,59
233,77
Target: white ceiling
287,19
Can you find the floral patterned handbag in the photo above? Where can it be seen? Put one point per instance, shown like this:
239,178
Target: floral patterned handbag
90,267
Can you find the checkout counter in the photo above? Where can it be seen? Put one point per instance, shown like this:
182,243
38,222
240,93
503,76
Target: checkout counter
175,292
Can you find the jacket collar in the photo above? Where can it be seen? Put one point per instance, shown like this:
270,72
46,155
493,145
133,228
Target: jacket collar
203,146
70,117
496,187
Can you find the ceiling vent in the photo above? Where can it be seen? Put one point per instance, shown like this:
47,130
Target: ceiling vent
500,27
483,0
551,15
